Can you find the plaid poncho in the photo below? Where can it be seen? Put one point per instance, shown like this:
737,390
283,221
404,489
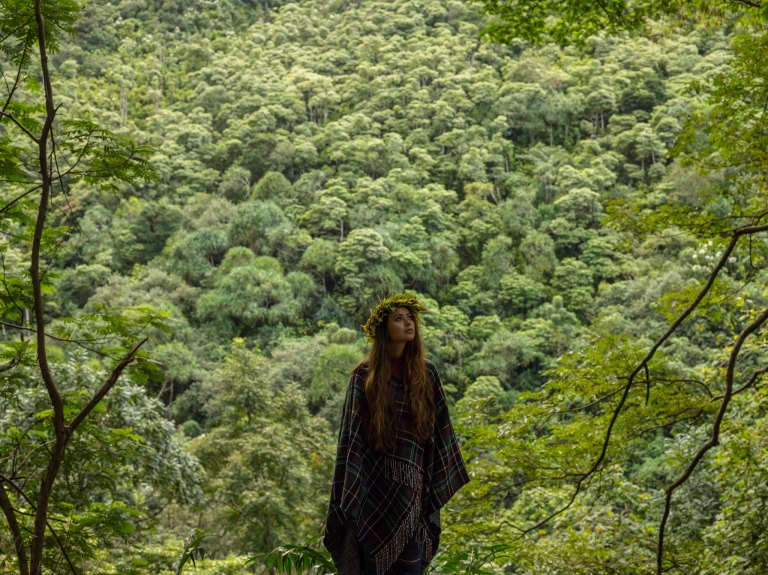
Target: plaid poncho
389,498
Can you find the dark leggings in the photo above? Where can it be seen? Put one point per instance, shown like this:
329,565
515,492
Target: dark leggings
409,562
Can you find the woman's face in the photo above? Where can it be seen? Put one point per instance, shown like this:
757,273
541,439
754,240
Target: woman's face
401,325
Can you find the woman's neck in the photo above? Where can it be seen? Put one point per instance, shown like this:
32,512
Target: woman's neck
396,349
396,367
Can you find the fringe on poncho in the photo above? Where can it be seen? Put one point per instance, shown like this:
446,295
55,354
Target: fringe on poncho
380,501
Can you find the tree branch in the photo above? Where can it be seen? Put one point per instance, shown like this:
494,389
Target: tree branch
57,402
11,298
752,380
16,80
687,380
105,387
67,215
747,384
643,365
53,392
13,524
9,365
107,170
16,30
47,522
591,404
80,154
748,3
20,126
8,206
579,487
81,342
714,438
677,418
62,549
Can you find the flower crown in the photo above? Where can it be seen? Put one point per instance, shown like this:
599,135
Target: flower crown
386,306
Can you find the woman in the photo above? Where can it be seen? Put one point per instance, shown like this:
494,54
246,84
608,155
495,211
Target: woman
398,461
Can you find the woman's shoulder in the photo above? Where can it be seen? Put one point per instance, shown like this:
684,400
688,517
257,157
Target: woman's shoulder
356,385
434,377
359,372
432,369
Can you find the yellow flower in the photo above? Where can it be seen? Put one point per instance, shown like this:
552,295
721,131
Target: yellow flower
386,306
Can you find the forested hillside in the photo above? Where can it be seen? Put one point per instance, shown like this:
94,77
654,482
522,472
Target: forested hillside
557,206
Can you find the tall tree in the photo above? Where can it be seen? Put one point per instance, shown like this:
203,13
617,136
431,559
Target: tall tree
43,152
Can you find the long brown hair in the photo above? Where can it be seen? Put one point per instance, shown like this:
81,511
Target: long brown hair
378,421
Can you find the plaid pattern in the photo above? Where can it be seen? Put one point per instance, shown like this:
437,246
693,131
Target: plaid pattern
392,498
410,562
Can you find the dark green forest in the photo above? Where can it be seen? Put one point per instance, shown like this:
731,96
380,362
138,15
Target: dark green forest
202,200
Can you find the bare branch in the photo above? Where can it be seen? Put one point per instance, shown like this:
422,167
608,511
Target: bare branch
20,126
62,549
647,384
12,299
12,89
60,178
687,380
752,380
57,402
13,524
714,438
9,365
81,342
52,389
18,490
105,387
577,490
643,365
67,215
672,420
749,230
81,153
747,384
591,404
47,522
16,30
10,204
748,3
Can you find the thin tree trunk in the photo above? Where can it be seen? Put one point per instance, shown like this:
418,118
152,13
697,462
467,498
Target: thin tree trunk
57,454
13,524
32,564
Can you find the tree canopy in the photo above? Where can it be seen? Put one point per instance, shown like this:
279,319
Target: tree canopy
575,189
